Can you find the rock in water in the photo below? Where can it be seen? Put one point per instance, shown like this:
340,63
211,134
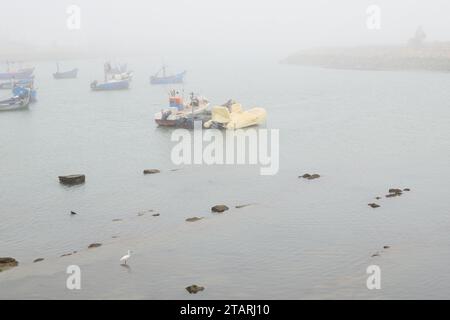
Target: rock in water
373,205
305,176
407,189
38,260
94,245
219,208
395,190
151,171
72,179
7,263
314,176
194,289
194,219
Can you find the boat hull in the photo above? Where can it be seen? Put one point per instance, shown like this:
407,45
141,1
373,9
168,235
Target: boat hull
112,85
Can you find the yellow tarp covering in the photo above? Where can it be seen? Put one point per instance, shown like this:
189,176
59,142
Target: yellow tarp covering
237,118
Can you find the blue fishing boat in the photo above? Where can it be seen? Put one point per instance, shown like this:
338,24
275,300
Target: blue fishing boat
71,74
112,81
167,79
110,85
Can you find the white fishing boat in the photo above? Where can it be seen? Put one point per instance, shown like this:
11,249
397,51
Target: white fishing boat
178,111
16,102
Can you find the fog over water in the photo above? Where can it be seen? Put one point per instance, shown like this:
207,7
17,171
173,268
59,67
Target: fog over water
363,131
211,28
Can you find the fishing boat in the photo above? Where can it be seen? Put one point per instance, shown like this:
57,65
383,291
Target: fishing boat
167,79
16,102
112,81
178,111
71,74
19,74
118,72
232,116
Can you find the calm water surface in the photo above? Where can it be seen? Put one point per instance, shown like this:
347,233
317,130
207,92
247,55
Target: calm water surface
363,131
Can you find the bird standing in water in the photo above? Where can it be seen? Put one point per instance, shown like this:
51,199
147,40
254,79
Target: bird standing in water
125,258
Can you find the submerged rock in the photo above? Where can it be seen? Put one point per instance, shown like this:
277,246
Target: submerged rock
156,215
72,179
66,254
38,260
94,245
378,198
310,176
7,263
373,205
73,213
376,254
116,220
194,219
391,195
194,289
219,208
386,247
407,189
151,171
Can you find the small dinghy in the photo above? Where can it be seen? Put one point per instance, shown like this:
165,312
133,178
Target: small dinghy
178,112
16,102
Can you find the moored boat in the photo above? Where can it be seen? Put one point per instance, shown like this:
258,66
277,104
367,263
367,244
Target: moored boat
19,74
167,79
71,74
112,81
178,111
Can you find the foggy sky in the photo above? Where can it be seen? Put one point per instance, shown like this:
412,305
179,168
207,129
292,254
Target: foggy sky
239,27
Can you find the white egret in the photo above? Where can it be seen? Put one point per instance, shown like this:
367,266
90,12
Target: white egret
126,257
